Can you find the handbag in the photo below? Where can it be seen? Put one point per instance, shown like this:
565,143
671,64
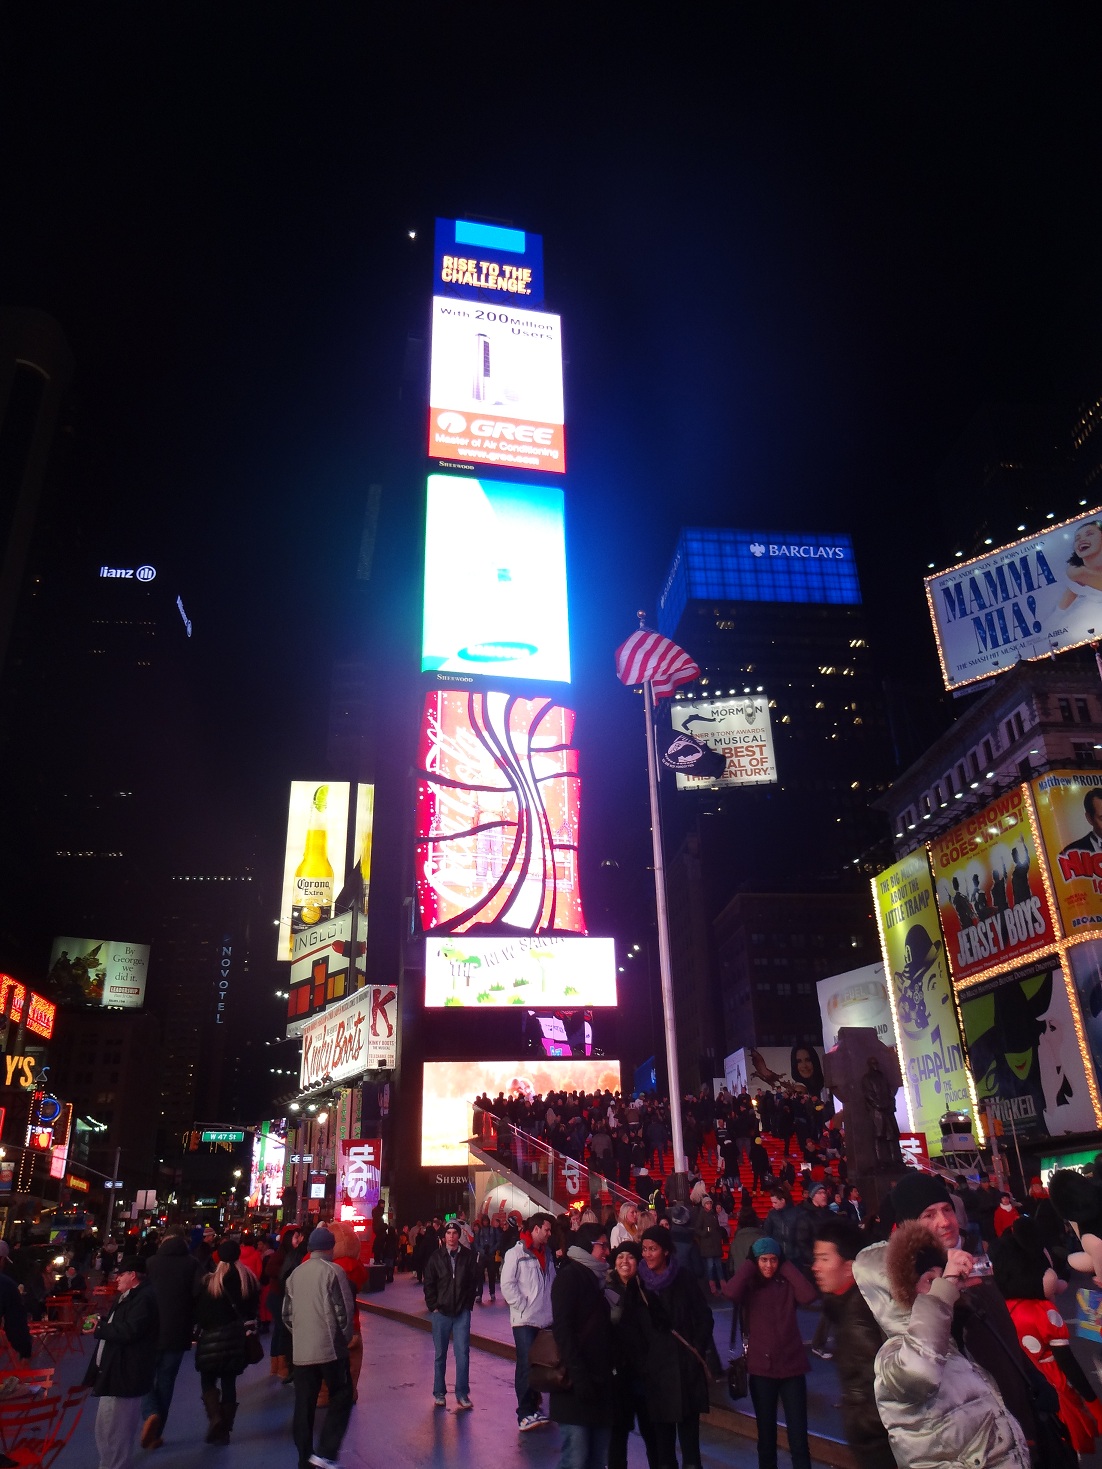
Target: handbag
254,1347
546,1369
738,1377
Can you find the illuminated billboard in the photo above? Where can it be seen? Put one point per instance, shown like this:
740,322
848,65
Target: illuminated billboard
314,857
859,997
495,580
928,1042
990,888
1069,813
520,971
357,1034
757,566
359,1179
487,261
1041,595
497,815
1025,1055
447,1111
40,1017
737,730
320,968
266,1168
495,385
99,972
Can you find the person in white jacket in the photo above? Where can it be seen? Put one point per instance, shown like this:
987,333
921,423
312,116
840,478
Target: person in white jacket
526,1275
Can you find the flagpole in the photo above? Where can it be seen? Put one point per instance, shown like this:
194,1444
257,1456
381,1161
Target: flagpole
679,1162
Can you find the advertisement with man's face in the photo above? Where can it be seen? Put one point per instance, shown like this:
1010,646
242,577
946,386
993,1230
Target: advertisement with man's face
1069,812
1025,1056
990,889
931,1056
1038,596
447,1102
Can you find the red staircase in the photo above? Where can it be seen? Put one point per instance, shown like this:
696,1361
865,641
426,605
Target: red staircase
706,1167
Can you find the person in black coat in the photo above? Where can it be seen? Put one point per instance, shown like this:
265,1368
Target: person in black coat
679,1337
582,1323
630,1338
121,1370
173,1273
227,1298
451,1279
287,1258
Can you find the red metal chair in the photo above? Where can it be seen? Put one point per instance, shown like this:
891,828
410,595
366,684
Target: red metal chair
28,1424
31,1453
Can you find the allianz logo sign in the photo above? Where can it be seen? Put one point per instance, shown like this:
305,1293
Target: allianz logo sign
809,553
143,573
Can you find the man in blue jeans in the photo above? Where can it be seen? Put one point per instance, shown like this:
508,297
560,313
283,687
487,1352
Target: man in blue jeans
173,1273
451,1280
526,1275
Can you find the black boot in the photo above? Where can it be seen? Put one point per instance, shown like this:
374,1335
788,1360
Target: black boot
212,1401
229,1413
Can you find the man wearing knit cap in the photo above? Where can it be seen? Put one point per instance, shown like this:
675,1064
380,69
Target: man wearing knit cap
981,1320
318,1308
451,1280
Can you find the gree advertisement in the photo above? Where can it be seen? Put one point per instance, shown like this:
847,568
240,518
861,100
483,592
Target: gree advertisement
497,815
353,1036
1038,596
1069,813
485,973
737,731
1025,1055
321,969
495,385
495,600
450,1088
928,1040
359,1178
990,888
857,998
99,972
483,262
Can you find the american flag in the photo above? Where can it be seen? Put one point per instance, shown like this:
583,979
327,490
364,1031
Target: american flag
648,657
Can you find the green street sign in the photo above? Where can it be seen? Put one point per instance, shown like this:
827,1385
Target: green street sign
223,1137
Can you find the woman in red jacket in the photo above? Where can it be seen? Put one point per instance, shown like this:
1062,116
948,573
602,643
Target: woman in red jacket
769,1292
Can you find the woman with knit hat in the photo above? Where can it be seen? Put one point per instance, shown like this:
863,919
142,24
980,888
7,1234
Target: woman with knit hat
630,1344
769,1289
228,1297
679,1336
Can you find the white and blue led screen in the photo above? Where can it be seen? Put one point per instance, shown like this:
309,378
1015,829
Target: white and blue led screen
758,566
495,580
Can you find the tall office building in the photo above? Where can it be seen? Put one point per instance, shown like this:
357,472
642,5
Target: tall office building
776,619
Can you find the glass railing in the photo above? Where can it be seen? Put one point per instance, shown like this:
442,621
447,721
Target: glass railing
534,1161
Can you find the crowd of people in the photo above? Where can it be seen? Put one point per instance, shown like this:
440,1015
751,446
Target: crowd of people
221,1294
938,1308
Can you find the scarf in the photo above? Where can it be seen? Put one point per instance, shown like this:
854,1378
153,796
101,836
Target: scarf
656,1280
600,1272
540,1254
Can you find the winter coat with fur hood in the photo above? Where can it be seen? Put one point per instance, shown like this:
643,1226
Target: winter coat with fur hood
939,1408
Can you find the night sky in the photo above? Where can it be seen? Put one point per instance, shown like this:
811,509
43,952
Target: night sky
795,253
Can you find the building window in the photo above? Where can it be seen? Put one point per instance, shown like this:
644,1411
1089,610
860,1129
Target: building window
784,989
974,765
962,779
988,754
949,784
1065,710
1008,729
1084,755
1083,709
925,805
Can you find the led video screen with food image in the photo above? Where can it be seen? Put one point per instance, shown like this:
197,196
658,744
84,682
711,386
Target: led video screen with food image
451,1086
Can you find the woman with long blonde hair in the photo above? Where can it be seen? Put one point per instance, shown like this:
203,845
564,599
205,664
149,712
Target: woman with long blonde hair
227,1299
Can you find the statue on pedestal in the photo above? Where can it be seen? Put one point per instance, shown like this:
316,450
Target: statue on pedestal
864,1075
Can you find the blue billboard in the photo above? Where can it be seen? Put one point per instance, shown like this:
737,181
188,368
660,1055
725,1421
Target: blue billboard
495,580
483,262
757,566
